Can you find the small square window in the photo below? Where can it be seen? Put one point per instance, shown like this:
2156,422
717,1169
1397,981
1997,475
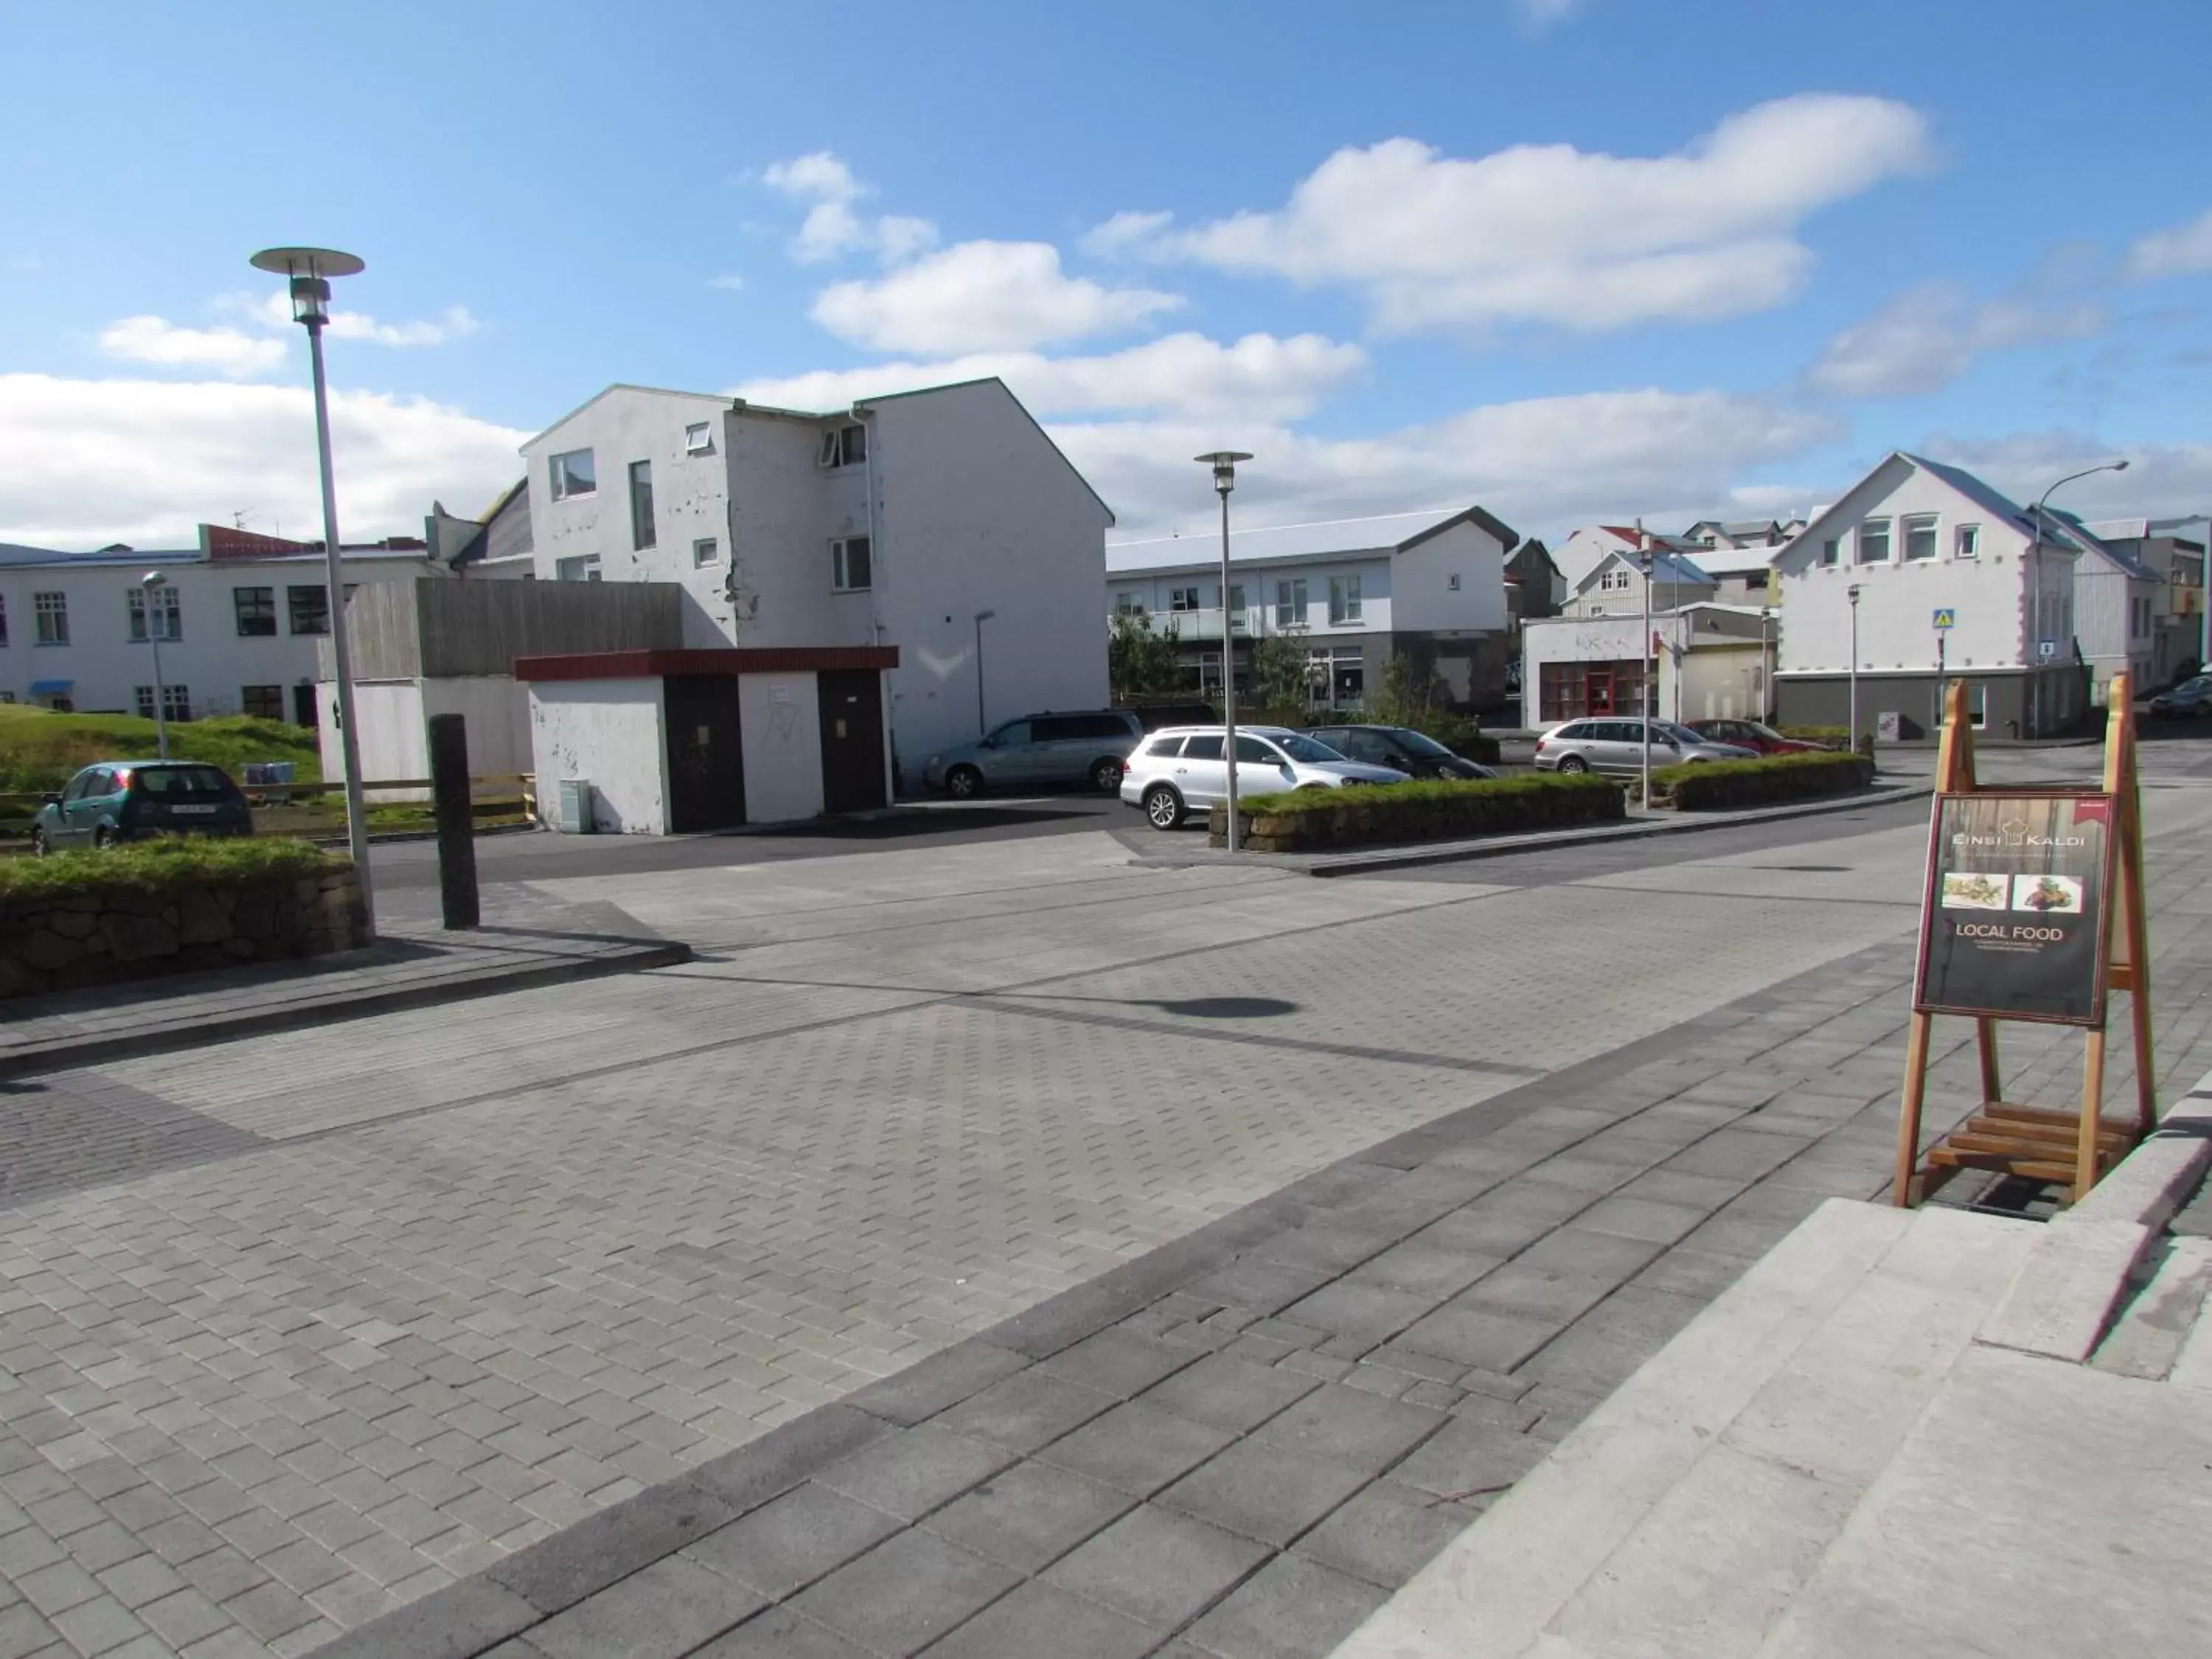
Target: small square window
1920,535
1967,542
584,568
1452,582
844,446
310,606
699,439
572,474
1831,551
1873,542
1182,599
256,608
703,552
851,565
262,703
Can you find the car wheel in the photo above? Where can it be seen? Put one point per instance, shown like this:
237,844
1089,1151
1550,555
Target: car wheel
38,847
1573,763
103,837
1164,806
964,783
1106,775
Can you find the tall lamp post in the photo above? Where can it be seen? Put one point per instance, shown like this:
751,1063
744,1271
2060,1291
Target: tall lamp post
309,270
2035,550
982,726
1223,463
152,584
1852,594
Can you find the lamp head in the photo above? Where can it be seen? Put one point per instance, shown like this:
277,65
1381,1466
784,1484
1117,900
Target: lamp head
2120,465
152,579
1223,463
985,616
309,270
1852,592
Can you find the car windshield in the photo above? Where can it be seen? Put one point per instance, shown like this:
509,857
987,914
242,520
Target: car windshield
1420,744
1678,733
1758,731
181,780
1299,747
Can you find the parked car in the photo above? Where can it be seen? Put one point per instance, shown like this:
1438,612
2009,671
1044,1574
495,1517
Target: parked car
1754,735
1614,744
1182,769
1039,750
112,801
2191,699
1153,716
1402,749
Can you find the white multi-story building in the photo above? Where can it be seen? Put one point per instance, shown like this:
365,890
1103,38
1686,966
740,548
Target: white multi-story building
1615,586
943,523
238,617
1353,592
1922,543
2171,553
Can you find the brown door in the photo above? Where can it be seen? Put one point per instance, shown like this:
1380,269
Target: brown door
851,740
706,753
1600,694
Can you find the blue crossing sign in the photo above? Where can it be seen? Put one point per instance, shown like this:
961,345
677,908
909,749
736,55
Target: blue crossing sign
1946,616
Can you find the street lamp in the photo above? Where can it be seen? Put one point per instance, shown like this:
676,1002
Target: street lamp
151,584
982,726
1852,594
309,270
1223,463
2035,602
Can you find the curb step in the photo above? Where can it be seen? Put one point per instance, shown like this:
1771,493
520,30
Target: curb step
2146,1340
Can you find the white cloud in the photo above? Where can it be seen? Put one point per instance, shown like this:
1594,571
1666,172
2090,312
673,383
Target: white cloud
228,351
981,296
1542,464
1929,336
831,228
274,311
1548,232
1542,13
1259,378
142,461
2182,250
2162,479
1124,232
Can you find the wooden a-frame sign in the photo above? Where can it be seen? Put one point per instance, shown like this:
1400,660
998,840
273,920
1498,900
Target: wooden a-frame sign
2075,1147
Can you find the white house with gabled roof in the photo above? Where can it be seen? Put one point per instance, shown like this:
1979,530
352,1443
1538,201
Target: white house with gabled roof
1922,542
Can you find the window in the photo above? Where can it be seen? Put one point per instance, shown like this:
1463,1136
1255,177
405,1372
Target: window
640,505
176,702
1343,600
1129,603
262,703
845,445
703,552
1451,582
310,606
158,609
1203,747
1615,580
1014,735
1967,542
1873,542
583,569
1182,599
573,475
256,611
49,618
698,439
3,624
850,565
1291,603
1831,551
1920,535
1977,706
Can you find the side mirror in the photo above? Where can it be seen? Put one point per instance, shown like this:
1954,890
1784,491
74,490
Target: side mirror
50,800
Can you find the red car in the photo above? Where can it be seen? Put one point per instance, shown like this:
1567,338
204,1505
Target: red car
1751,734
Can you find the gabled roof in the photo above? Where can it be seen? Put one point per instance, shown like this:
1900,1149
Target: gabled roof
1389,532
2059,526
1983,495
1667,569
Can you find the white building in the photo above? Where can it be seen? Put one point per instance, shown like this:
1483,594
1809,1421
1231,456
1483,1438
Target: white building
1922,542
1738,554
1713,662
1592,544
899,522
238,617
1615,586
2173,550
1353,592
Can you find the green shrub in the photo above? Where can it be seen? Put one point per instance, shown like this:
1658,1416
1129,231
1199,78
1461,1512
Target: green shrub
165,864
1720,785
1838,735
1432,809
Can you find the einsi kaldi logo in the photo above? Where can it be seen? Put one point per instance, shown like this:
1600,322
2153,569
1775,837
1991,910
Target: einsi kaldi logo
2015,833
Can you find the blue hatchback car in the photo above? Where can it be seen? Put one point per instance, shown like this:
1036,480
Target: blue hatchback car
112,801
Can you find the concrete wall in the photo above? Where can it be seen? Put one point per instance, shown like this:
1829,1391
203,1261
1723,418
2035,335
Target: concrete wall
1421,593
608,731
393,741
1824,699
781,716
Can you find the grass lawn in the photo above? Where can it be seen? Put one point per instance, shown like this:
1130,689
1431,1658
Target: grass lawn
40,750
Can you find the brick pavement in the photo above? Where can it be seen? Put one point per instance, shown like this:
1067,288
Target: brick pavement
489,1282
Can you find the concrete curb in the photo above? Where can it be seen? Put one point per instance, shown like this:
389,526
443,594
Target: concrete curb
259,1022
1321,865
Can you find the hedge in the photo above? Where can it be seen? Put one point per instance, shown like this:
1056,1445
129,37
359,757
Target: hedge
1721,786
1838,735
1314,820
165,865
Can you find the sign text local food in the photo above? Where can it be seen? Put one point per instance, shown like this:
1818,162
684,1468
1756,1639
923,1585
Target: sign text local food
2013,923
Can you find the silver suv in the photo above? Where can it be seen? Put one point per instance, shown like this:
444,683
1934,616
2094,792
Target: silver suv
1614,744
1183,771
1038,749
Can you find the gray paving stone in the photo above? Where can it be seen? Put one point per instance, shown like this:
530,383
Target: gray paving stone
787,1454
1330,1244
1027,1516
1385,1534
584,1559
1118,1362
1292,1608
1259,1284
1482,1337
1038,1620
1556,1295
1350,1426
462,1620
914,1471
1424,1268
1470,1458
937,1383
790,1541
1025,1410
1230,1393
1641,1218
1361,1307
905,1592
1137,1447
1157,1567
780,1633
1264,1491
1698,1273
662,1612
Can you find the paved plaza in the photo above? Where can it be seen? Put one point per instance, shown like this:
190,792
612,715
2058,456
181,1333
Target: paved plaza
434,1286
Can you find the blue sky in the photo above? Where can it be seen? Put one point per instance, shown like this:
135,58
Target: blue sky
1573,259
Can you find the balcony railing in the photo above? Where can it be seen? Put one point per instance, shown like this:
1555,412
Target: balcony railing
1203,624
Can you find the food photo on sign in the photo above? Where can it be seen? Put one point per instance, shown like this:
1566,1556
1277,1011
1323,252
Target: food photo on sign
2014,920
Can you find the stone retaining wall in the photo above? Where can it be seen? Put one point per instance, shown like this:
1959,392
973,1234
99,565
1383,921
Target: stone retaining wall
116,935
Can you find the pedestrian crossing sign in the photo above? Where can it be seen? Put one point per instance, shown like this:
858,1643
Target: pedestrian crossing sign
1946,616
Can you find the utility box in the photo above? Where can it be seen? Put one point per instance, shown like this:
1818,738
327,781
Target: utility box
571,807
